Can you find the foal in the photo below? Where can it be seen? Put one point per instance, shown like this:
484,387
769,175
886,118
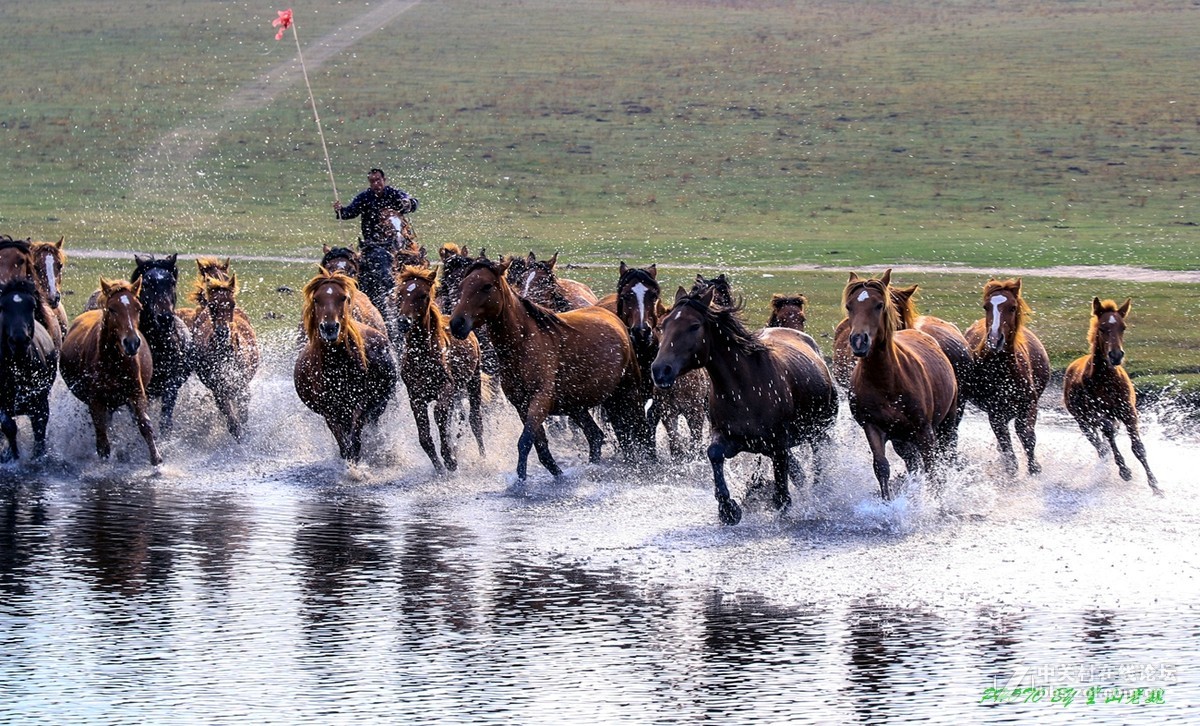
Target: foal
1097,390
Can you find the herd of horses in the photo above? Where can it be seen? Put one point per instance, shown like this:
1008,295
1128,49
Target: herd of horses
374,317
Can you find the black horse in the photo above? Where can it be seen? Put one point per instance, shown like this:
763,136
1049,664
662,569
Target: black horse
168,336
28,365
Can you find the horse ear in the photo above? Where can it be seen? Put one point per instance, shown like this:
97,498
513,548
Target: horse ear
1018,287
553,260
853,277
531,257
1125,306
199,268
504,264
681,293
137,288
443,253
653,270
59,243
324,249
886,278
623,269
233,281
323,272
706,297
227,261
105,285
142,260
1097,308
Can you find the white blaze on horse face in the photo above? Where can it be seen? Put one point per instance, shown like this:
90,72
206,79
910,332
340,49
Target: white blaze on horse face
51,279
640,290
1112,318
996,301
411,286
16,298
329,291
863,295
124,299
528,282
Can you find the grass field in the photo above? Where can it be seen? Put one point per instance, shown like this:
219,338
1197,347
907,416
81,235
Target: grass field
729,135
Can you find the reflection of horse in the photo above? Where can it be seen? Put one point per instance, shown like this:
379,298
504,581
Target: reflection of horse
345,372
722,290
770,390
168,336
1098,392
903,388
17,263
48,262
788,311
555,364
106,362
638,304
535,280
28,365
227,354
1010,369
436,367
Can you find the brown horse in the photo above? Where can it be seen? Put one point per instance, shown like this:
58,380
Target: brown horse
770,390
227,353
788,311
721,287
536,280
106,362
903,388
555,364
455,261
844,359
17,263
1010,370
638,304
436,368
1098,392
48,262
345,372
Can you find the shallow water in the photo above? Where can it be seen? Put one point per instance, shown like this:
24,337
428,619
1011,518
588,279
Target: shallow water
268,582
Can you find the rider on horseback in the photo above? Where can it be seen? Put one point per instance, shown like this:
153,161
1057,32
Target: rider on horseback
372,205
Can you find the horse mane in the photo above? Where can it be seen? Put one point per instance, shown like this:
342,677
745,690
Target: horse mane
116,287
55,250
891,315
22,286
778,301
1013,287
450,248
635,274
727,320
352,337
906,307
7,242
1106,306
429,275
545,318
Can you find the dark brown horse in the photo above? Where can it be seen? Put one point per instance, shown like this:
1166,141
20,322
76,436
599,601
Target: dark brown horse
227,353
455,263
536,280
17,263
638,304
345,373
903,388
48,263
436,368
1010,370
770,390
106,362
1098,392
555,364
341,259
721,287
28,366
788,311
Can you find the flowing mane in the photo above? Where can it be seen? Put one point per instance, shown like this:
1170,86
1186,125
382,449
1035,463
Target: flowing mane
348,333
7,242
429,276
891,314
727,321
906,308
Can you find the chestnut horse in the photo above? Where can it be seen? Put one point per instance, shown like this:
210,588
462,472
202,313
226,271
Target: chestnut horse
48,262
535,280
638,304
168,336
345,373
1098,392
28,366
1010,370
770,390
107,363
227,354
788,311
903,388
844,359
436,368
555,364
348,262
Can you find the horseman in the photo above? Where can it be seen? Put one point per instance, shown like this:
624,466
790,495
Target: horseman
376,206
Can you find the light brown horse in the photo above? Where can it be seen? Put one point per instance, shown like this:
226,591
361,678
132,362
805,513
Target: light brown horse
552,364
788,311
903,388
346,261
536,280
226,349
437,367
1097,390
770,390
106,362
48,262
1010,369
345,373
844,360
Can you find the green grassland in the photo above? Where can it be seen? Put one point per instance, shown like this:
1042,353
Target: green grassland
735,135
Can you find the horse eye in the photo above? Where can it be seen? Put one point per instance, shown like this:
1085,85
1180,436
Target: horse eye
694,327
879,306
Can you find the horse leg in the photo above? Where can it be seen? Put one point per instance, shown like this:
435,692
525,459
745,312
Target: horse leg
38,421
542,445
877,440
337,427
9,426
232,420
1139,450
167,420
1004,441
1109,427
142,418
592,432
441,416
533,433
420,409
782,462
727,509
1089,432
475,406
100,418
1024,426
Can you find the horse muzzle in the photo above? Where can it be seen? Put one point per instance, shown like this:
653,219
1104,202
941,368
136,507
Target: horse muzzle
329,330
995,343
403,323
641,334
131,345
460,326
663,374
1116,356
860,344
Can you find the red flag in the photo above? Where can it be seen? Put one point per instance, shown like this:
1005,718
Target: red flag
283,22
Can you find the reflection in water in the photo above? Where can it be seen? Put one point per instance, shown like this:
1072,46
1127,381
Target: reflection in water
23,532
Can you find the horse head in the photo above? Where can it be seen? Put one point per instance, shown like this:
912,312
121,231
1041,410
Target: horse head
788,311
413,296
412,257
48,261
723,291
159,279
1107,332
870,311
1005,313
120,303
684,345
455,261
341,259
638,300
220,300
16,258
483,293
18,301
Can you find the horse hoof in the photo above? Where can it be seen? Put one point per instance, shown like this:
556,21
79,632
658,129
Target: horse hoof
729,512
1126,474
1034,468
781,504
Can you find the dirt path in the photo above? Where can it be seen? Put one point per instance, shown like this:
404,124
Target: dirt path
165,165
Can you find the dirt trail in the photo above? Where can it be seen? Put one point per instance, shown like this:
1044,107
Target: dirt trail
166,162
